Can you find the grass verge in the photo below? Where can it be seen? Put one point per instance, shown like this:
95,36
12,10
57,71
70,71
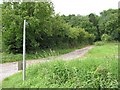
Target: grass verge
40,54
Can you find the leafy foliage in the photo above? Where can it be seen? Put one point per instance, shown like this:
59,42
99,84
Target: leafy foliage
94,20
99,43
13,24
80,21
44,30
47,30
106,37
108,23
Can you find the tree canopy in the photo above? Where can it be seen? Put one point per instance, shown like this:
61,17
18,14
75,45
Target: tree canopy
46,29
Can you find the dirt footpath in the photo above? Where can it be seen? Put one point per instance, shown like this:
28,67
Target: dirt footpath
9,69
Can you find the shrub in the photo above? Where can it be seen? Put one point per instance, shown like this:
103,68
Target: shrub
89,38
99,43
106,37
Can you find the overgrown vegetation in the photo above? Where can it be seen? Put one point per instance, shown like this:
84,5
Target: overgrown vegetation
99,43
98,69
106,37
106,23
46,29
6,57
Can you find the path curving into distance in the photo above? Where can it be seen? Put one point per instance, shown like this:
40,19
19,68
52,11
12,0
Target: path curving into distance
9,69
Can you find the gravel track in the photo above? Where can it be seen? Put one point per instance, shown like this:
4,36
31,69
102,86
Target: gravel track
9,69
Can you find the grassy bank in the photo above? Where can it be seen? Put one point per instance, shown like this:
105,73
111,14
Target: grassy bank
40,54
98,69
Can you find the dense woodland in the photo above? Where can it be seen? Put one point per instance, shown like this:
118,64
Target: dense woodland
46,29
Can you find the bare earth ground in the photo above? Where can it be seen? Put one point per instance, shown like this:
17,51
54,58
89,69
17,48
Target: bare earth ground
9,69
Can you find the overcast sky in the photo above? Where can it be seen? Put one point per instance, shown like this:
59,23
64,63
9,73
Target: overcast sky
0,1
83,7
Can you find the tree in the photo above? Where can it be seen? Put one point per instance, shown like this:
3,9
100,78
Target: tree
94,19
37,14
80,22
108,23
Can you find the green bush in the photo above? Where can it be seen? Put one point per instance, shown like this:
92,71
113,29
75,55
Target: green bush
89,38
42,32
106,37
99,43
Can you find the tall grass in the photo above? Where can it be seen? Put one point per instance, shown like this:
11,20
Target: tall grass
6,57
17,57
41,54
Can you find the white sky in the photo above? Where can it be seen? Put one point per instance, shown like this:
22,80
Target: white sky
0,1
83,7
